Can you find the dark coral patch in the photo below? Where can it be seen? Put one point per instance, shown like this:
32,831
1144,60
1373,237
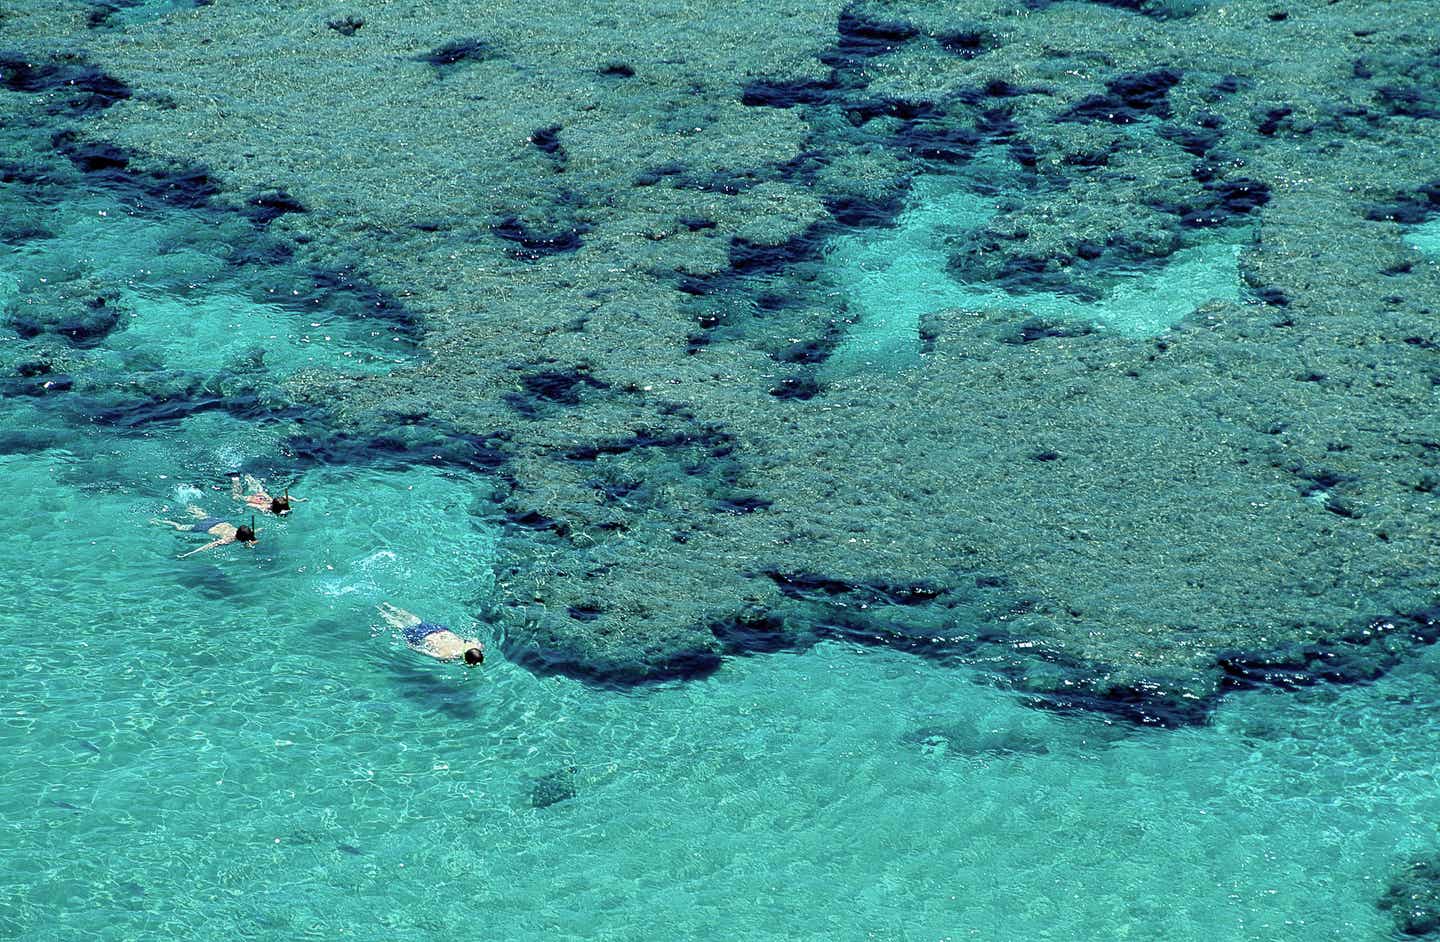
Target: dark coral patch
997,123
1272,296
755,630
546,389
36,386
1240,195
1413,899
801,386
410,445
542,652
967,43
1024,154
851,210
347,293
1039,328
1128,98
771,93
754,258
740,504
1270,122
83,324
264,208
554,787
92,157
562,387
1412,80
1408,208
347,25
584,612
535,244
83,88
165,398
1410,101
655,174
547,141
1224,202
717,443
1140,704
861,37
938,140
1361,655
861,110
180,187
457,52
808,352
811,586
1197,140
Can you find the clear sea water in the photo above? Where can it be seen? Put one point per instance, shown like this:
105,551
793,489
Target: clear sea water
233,746
1425,238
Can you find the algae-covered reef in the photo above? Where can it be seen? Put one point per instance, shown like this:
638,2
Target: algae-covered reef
612,224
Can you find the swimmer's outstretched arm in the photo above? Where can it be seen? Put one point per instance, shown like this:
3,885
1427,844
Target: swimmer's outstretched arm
211,545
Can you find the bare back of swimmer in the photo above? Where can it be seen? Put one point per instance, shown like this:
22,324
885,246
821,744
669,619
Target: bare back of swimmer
211,526
429,638
259,498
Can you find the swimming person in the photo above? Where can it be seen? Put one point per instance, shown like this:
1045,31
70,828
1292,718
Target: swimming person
260,499
213,526
429,638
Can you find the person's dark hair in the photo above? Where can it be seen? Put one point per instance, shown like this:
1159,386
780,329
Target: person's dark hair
280,505
245,534
474,656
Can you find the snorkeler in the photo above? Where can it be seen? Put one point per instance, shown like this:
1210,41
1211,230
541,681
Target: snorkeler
213,526
428,638
260,499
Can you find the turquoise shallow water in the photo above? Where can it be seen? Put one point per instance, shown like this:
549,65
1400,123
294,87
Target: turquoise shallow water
892,277
184,304
1425,238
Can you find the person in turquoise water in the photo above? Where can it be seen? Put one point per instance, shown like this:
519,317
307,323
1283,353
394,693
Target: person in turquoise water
429,638
213,526
260,499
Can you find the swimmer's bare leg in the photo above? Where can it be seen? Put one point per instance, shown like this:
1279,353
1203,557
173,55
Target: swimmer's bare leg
397,617
196,512
170,523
